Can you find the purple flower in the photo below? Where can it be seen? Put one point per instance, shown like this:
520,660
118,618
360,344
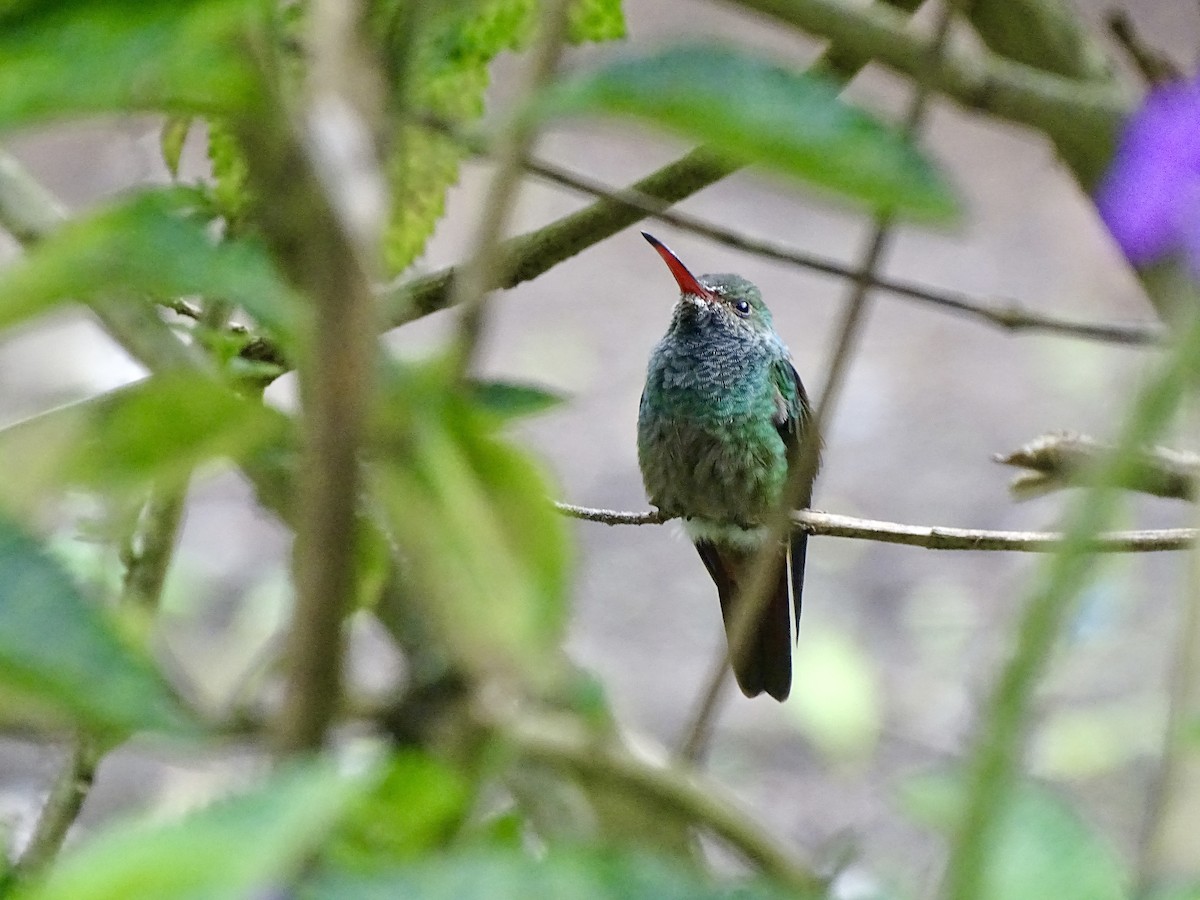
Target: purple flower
1150,196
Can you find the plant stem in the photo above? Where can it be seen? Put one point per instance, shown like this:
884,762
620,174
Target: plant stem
62,807
994,764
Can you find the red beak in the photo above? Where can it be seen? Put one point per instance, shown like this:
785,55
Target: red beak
686,280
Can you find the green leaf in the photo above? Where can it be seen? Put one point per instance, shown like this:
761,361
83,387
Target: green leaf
762,112
480,542
511,876
1041,848
149,244
171,140
156,431
61,656
100,56
234,848
417,806
230,174
450,76
510,400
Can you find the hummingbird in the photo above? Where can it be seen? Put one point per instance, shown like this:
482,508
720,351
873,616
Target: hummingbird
721,423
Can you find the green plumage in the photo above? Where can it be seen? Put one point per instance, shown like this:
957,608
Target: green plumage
719,427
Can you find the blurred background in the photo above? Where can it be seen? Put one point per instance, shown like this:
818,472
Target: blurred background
898,645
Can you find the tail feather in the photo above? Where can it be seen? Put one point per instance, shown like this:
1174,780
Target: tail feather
797,551
765,663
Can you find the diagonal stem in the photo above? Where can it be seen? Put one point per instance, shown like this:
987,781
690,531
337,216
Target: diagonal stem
753,601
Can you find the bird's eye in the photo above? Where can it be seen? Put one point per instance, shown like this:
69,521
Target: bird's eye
742,307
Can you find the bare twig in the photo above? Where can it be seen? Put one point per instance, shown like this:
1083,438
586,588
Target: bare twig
1155,66
931,537
687,795
1008,315
797,489
1065,459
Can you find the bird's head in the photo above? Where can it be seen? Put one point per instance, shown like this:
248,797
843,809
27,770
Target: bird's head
722,301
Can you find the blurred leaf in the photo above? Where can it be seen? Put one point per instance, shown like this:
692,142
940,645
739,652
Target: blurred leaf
1041,849
761,112
147,244
164,427
157,430
98,56
230,174
417,806
1178,892
450,76
504,831
251,842
510,400
564,876
836,695
62,655
171,140
478,538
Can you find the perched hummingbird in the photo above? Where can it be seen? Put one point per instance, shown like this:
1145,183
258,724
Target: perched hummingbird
720,425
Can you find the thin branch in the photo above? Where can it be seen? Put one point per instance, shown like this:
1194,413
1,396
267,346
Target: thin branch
1008,315
471,288
1065,459
796,492
931,537
1154,65
1049,35
62,807
527,256
680,793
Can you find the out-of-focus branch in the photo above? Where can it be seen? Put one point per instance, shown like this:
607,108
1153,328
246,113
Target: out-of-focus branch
931,537
994,766
1168,841
1065,459
147,552
1045,34
471,287
1008,315
527,256
320,236
677,792
796,491
61,808
1154,65
1081,117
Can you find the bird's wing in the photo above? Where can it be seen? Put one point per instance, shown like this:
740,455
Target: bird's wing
793,419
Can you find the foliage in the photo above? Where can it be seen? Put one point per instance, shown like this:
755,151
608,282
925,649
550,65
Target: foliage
755,111
453,543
